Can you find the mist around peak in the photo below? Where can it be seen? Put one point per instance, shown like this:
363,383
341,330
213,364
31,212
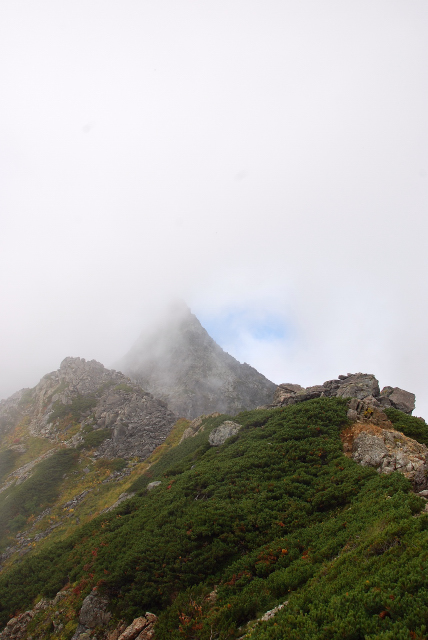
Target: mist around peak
179,362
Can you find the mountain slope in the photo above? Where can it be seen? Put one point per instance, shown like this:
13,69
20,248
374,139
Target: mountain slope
69,448
181,364
277,515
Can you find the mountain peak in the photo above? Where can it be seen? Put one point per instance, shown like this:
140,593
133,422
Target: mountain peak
180,363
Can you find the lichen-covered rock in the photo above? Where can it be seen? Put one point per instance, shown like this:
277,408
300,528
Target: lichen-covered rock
220,434
359,385
387,450
93,612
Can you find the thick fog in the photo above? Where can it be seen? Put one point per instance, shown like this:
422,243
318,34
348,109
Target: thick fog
266,161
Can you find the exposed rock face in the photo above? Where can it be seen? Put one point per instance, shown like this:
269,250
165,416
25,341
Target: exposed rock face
181,364
387,450
139,423
398,398
285,392
92,614
75,377
94,621
361,386
141,628
220,434
16,628
99,398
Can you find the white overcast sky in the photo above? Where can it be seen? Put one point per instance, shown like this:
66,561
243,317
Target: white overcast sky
265,160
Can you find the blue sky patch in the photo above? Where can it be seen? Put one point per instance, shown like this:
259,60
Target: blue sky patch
228,327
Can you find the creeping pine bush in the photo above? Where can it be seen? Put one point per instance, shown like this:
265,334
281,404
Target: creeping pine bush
78,405
411,426
7,462
276,514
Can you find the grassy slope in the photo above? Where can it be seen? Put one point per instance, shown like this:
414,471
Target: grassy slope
277,513
52,486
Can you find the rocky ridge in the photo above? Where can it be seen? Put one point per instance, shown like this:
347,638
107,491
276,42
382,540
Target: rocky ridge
371,440
362,386
131,421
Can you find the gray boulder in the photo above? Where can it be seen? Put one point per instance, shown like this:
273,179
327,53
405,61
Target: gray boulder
153,484
387,450
94,611
359,385
398,398
220,434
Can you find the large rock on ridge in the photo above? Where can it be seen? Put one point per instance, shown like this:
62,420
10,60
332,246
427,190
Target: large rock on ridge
361,386
387,450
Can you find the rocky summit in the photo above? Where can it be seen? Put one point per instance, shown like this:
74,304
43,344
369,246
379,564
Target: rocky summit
181,364
84,401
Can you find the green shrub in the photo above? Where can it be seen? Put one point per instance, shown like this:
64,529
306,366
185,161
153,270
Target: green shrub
92,438
124,387
117,464
80,404
36,493
276,514
411,426
7,462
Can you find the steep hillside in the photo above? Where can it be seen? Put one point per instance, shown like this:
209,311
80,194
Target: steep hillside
69,448
181,364
253,526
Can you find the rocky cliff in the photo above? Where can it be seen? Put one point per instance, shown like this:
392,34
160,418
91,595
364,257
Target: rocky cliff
83,402
181,364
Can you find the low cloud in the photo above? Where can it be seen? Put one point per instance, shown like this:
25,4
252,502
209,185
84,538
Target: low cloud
270,166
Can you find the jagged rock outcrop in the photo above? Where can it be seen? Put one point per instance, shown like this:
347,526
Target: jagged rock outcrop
94,621
134,423
181,364
16,628
138,422
93,613
387,450
361,386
